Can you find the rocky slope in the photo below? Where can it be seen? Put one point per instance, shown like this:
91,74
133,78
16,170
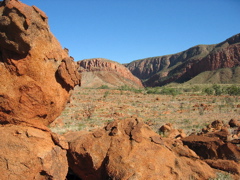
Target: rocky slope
97,72
219,76
183,66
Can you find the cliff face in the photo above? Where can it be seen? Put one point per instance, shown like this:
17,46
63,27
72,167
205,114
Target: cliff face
99,71
185,65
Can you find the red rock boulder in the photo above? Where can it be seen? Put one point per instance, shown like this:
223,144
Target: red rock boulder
225,165
36,77
36,73
205,147
168,131
30,153
234,123
129,149
212,147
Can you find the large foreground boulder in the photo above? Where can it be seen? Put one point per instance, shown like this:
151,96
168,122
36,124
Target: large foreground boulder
36,73
36,76
30,153
129,149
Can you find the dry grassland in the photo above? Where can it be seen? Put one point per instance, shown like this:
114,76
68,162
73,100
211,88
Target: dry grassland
91,108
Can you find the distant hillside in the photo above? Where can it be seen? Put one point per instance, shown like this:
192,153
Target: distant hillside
183,66
98,72
220,76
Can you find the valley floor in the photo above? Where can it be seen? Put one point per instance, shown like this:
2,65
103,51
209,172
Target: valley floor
91,108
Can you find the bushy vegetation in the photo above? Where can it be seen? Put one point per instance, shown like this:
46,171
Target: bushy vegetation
103,87
233,90
163,90
208,91
170,91
122,88
127,88
155,90
218,90
215,89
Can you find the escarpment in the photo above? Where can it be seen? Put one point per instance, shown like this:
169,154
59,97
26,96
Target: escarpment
98,71
183,66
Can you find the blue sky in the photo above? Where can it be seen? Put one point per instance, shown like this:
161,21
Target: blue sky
127,30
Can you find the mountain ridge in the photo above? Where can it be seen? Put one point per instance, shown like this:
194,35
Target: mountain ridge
97,72
182,66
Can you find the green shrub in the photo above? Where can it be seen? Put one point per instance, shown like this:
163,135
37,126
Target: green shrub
127,88
233,90
124,88
208,91
103,87
170,91
196,88
218,90
154,90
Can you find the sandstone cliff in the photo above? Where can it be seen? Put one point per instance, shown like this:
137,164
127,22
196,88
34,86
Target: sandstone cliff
97,72
183,66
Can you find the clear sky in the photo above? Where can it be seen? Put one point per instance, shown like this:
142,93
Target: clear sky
127,30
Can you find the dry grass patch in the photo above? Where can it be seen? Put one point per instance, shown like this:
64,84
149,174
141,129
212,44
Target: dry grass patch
91,108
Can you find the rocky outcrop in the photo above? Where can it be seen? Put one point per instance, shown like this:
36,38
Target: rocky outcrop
225,165
36,77
30,153
168,131
185,65
36,73
218,146
128,149
97,72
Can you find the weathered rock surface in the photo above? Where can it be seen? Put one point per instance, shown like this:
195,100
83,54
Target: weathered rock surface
36,77
234,123
29,153
225,165
167,130
128,149
183,66
212,147
36,73
217,146
205,147
97,72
